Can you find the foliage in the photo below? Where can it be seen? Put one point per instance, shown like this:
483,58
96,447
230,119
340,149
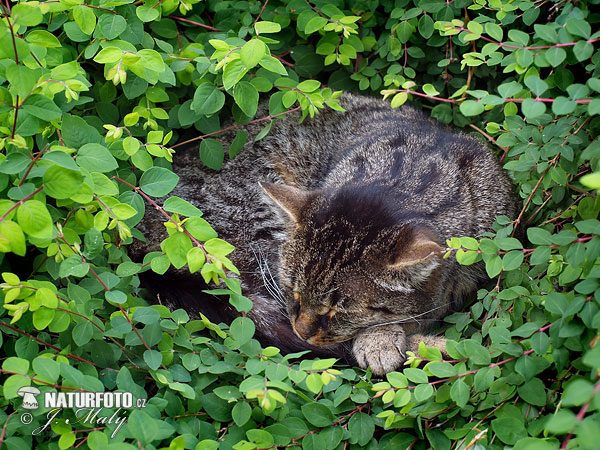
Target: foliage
96,97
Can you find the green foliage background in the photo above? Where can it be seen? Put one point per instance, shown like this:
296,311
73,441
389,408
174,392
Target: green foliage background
96,96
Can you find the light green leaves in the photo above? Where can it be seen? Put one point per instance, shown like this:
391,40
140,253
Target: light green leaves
267,27
85,18
471,108
34,219
61,183
252,52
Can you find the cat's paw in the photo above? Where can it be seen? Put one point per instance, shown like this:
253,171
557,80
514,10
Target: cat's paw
381,348
438,342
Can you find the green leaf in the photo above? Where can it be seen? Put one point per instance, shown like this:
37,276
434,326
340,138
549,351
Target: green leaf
416,375
314,24
471,108
532,108
583,50
207,99
22,79
12,238
537,86
146,13
252,52
441,369
46,368
317,414
494,31
309,85
241,413
43,38
200,229
26,15
579,27
158,181
17,365
176,247
212,153
533,392
43,108
518,36
178,205
508,429
142,426
195,259
273,65
267,27
61,183
238,143
84,18
34,219
82,333
153,358
108,55
246,97
242,330
361,427
218,247
563,106
578,392
459,392
426,26
233,73
96,158
112,25
555,56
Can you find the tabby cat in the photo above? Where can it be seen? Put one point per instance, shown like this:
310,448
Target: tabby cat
339,225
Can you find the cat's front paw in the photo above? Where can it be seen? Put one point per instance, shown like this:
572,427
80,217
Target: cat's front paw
381,348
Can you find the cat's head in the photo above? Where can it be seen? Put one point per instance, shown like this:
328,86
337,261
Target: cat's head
352,261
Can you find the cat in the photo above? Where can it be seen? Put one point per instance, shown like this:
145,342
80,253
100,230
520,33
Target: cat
340,225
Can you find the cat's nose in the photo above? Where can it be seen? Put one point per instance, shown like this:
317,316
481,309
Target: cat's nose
304,326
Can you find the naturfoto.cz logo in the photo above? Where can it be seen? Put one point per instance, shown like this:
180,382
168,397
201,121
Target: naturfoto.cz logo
90,408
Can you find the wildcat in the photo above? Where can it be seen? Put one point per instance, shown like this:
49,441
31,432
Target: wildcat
339,225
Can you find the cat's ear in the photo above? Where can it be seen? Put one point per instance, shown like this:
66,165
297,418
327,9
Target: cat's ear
290,199
421,247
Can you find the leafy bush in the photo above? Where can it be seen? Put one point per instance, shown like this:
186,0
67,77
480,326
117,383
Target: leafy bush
96,97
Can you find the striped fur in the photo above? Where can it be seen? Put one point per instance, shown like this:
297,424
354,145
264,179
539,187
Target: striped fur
339,224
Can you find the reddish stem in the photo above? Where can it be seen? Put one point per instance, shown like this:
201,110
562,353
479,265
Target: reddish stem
233,127
208,27
20,202
46,383
70,355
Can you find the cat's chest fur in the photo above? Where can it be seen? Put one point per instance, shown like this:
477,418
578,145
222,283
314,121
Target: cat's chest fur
335,190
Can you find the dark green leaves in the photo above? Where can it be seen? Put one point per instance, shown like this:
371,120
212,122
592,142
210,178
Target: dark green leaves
212,153
96,158
318,414
207,99
246,97
158,181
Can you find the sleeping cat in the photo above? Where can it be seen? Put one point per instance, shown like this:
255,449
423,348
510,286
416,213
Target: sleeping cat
339,225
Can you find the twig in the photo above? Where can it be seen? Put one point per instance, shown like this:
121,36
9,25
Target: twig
208,27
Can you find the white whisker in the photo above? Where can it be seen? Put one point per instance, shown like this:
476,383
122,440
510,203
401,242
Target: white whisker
409,318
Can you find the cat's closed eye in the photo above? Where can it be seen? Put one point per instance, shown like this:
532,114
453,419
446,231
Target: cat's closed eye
324,321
